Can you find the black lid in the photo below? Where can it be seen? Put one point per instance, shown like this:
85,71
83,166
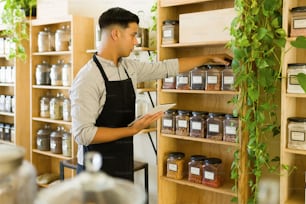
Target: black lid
215,114
299,9
297,119
182,112
198,113
170,111
213,160
176,154
173,22
230,116
197,157
296,65
211,66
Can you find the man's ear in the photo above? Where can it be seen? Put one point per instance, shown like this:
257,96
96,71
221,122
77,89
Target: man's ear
115,33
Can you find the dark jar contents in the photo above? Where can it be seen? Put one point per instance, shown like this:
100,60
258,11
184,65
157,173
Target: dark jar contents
298,20
213,78
170,31
197,78
182,123
168,122
182,81
43,138
197,124
230,127
214,126
56,140
169,83
213,174
228,79
297,133
195,168
175,165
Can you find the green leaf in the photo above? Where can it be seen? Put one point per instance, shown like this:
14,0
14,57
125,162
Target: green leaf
301,77
300,42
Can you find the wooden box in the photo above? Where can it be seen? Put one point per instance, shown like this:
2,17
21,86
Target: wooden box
47,9
207,26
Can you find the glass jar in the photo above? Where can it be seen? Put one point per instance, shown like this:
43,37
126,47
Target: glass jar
197,78
296,133
228,79
1,131
213,78
9,74
56,140
45,40
43,74
43,138
168,122
169,83
2,74
56,107
182,81
175,165
67,110
141,105
66,144
293,85
214,126
230,127
45,106
13,104
2,102
197,124
7,132
170,31
182,123
195,168
8,104
213,174
298,19
66,74
62,37
13,134
56,73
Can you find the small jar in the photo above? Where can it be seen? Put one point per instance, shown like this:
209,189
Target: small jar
8,74
296,133
1,131
213,174
66,144
197,124
66,74
293,85
56,73
43,74
7,132
56,107
13,104
8,104
170,31
43,138
45,106
168,122
228,79
213,78
2,74
62,37
45,40
175,165
169,83
56,140
67,110
195,168
298,20
214,126
197,78
182,123
182,81
230,127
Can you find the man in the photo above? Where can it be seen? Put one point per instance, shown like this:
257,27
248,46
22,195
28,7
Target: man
103,93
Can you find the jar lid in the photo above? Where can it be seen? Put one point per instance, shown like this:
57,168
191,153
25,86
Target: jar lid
177,155
215,114
213,160
170,111
297,119
230,116
211,66
299,9
183,112
294,65
197,157
172,22
195,113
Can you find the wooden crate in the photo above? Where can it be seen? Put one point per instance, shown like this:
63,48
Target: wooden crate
47,9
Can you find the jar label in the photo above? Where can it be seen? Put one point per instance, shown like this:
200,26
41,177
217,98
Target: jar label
167,34
196,125
293,80
197,80
209,175
212,79
167,123
228,80
182,80
195,170
231,130
169,80
182,123
172,167
297,136
299,23
213,128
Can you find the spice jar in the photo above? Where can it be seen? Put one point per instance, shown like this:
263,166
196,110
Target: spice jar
213,78
197,78
66,74
182,81
182,123
213,174
195,168
43,74
43,138
228,79
169,83
296,133
45,106
230,127
214,126
56,107
66,144
13,104
56,140
170,31
7,132
62,37
168,122
293,85
175,165
67,110
56,73
197,124
298,20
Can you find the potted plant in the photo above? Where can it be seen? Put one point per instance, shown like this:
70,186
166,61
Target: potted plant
14,18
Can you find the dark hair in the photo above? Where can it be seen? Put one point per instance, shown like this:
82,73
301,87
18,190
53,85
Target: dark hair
117,16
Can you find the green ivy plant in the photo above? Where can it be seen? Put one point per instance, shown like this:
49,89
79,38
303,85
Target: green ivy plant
257,41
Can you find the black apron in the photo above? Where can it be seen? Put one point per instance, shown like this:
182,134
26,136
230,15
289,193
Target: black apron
118,111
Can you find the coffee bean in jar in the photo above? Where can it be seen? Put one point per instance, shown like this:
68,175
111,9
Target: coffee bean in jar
213,174
195,168
168,122
197,78
169,83
182,123
175,165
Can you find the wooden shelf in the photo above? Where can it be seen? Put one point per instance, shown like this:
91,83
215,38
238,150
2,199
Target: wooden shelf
200,92
204,43
295,151
167,3
143,90
7,114
7,84
53,53
147,130
48,153
136,49
50,87
6,142
47,120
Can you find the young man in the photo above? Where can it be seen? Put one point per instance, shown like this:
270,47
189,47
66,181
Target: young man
103,93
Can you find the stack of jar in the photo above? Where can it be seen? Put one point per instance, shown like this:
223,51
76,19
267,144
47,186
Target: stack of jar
215,126
7,132
202,170
7,74
7,103
206,77
57,141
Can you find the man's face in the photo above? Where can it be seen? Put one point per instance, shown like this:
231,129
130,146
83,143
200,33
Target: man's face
128,39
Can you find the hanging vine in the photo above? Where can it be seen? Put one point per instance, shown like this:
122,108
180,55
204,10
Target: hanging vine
257,41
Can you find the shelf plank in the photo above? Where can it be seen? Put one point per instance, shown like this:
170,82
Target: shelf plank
200,92
7,84
48,120
295,151
7,114
49,153
296,95
6,142
168,3
52,53
48,21
50,87
296,199
136,49
143,90
195,44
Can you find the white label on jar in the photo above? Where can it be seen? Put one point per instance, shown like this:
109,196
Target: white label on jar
297,136
212,79
167,123
195,171
172,167
182,123
183,80
213,128
230,130
197,80
209,175
293,80
196,125
169,80
228,80
167,34
299,23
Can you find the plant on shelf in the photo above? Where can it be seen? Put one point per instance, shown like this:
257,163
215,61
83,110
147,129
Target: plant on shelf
14,18
257,41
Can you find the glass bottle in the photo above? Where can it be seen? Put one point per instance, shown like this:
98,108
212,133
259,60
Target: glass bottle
182,123
213,174
175,165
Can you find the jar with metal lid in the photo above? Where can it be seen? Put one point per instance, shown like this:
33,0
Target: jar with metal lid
168,122
169,83
214,126
66,74
230,128
213,77
293,85
56,140
228,79
197,124
197,78
195,168
56,107
170,31
67,110
43,138
45,40
7,132
183,81
296,133
298,21
175,165
45,106
66,144
56,73
8,104
182,123
1,131
62,37
42,73
213,173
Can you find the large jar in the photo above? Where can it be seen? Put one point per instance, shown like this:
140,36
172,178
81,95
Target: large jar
67,110
298,19
195,168
175,165
213,78
228,79
66,144
9,74
45,106
56,73
214,126
170,31
182,123
213,174
56,140
56,107
197,124
230,127
66,74
168,122
43,138
2,102
43,74
296,133
183,81
197,78
62,38
169,83
45,40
